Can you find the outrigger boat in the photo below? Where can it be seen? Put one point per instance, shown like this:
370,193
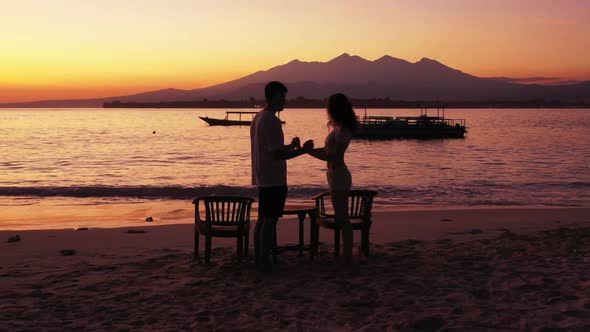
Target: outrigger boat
227,122
423,126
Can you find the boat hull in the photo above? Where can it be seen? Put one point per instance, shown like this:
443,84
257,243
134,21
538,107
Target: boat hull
388,131
224,122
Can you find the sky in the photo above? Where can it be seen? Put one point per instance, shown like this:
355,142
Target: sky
67,49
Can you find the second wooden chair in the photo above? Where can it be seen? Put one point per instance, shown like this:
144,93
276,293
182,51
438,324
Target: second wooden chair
360,204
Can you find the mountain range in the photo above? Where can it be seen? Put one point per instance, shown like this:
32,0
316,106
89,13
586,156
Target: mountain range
386,77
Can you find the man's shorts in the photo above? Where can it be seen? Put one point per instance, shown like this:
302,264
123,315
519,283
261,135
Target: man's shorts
271,201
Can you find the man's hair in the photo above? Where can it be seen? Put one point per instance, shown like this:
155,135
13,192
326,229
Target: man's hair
274,88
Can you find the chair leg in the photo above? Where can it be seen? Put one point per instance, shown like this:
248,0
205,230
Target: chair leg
196,243
301,218
274,248
246,243
207,249
240,245
317,239
312,240
337,241
365,240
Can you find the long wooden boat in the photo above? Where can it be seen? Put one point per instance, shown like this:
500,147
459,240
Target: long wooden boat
423,126
230,122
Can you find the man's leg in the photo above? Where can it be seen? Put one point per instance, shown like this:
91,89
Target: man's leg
268,237
258,238
258,229
274,206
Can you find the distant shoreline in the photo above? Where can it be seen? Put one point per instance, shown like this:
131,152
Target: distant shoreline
580,107
358,103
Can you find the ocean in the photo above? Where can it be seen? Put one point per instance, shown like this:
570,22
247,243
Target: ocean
510,157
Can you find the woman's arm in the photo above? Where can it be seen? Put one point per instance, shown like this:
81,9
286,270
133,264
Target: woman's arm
319,153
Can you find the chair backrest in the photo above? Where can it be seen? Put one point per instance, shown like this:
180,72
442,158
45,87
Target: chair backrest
224,210
360,203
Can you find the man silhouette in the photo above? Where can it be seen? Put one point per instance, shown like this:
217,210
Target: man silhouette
269,168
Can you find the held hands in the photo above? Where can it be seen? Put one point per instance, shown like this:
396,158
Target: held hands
295,143
308,146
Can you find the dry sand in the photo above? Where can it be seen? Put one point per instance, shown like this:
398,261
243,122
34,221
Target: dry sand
454,270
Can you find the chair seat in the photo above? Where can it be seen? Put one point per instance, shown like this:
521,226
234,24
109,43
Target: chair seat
221,231
330,223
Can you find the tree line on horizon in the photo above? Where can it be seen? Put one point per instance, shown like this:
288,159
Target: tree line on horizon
302,102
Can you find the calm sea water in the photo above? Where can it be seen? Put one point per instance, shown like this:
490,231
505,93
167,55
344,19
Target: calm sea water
537,157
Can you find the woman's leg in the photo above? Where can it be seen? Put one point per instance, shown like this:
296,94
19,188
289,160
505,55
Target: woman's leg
340,205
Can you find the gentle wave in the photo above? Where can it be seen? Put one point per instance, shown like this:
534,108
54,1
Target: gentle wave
169,192
172,192
477,194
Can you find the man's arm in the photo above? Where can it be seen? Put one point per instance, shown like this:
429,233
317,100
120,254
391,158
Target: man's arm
285,154
289,153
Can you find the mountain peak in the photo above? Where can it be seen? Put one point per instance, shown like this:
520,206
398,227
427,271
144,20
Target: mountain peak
427,60
345,57
431,64
387,58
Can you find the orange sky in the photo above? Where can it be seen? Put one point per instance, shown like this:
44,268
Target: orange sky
65,49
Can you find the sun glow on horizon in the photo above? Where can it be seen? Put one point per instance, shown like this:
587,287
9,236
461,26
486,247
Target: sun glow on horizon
68,49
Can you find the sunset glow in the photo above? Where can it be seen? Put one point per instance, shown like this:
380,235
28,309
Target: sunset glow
67,49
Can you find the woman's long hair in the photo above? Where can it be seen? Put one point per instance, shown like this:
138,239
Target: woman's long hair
341,112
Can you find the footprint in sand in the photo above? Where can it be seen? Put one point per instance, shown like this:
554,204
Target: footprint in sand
472,232
429,324
67,252
135,231
15,238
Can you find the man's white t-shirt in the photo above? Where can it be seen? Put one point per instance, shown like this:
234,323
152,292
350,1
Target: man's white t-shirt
266,135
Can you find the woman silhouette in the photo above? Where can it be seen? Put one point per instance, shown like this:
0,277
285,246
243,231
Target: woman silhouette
343,122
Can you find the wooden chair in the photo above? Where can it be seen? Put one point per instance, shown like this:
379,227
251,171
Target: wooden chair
225,216
360,204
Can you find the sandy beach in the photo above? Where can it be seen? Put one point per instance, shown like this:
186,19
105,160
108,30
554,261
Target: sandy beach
451,270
